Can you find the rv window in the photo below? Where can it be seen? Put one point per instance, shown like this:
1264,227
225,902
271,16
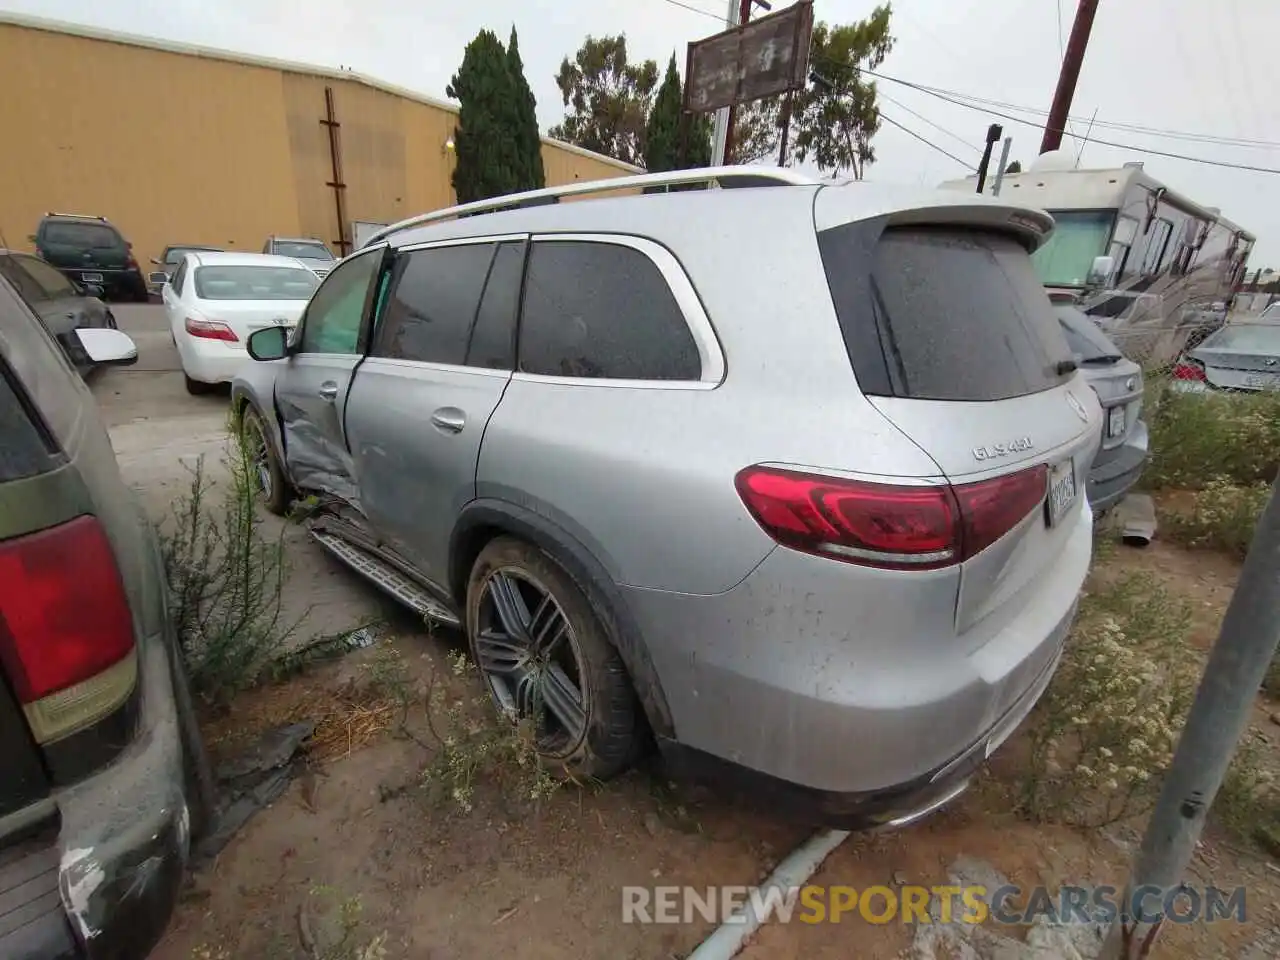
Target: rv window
1078,237
1157,244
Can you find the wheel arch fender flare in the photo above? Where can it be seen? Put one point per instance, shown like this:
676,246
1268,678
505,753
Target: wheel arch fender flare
482,520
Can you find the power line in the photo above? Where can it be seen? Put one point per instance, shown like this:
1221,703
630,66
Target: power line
1107,143
929,143
692,9
919,116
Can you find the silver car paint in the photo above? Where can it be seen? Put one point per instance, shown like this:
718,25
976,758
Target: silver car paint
825,673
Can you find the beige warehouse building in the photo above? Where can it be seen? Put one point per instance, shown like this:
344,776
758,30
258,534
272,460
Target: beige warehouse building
179,144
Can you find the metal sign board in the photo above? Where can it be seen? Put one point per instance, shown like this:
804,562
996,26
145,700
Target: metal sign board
766,57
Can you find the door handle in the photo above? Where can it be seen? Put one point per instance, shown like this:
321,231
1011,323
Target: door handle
328,390
449,419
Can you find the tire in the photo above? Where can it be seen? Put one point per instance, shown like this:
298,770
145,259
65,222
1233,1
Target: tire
273,485
197,388
611,721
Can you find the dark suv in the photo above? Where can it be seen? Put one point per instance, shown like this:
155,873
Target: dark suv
90,250
103,780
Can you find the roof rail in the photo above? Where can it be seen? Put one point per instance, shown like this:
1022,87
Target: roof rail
713,177
77,216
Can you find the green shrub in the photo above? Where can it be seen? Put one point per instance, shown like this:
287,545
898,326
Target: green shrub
1105,731
1222,515
1199,437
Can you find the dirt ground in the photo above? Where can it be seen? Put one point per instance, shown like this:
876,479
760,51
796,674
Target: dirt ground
515,876
543,879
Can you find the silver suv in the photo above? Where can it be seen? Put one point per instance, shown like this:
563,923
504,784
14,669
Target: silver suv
788,476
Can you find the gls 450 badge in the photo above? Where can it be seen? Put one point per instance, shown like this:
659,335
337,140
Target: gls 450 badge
996,450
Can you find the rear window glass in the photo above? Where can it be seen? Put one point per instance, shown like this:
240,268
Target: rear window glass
255,283
301,251
949,314
1248,338
1084,339
94,235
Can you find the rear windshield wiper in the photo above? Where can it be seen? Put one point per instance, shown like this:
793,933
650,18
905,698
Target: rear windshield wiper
1101,360
1064,367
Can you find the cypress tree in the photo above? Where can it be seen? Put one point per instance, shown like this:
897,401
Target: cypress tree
530,175
485,146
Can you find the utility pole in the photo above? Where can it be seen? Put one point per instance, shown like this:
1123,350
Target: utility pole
1072,58
744,14
1004,162
1219,717
994,132
724,116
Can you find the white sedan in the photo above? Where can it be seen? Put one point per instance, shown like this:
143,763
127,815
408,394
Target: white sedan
214,301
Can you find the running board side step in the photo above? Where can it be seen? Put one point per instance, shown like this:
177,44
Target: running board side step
387,578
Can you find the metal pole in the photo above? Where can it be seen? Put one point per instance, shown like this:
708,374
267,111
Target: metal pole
719,139
1219,716
744,14
786,129
993,134
1004,162
1068,75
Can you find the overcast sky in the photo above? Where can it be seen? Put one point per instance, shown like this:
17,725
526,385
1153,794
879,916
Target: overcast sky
1210,70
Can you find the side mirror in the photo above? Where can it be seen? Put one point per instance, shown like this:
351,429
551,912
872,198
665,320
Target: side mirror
104,345
155,262
93,290
1100,272
269,343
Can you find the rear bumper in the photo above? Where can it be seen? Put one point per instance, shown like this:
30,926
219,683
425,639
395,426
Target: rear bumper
889,808
125,832
211,361
835,681
1118,471
103,886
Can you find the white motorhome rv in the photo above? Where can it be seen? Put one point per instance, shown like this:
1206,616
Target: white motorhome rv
1130,248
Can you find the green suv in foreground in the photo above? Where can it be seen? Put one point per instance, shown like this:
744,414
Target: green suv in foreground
91,251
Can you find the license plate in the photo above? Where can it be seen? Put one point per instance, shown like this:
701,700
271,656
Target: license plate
91,277
1115,422
1262,380
1062,490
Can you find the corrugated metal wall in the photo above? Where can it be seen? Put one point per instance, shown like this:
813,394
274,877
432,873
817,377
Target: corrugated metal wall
181,148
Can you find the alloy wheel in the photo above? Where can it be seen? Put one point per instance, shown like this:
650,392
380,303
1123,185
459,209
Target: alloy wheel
528,654
255,443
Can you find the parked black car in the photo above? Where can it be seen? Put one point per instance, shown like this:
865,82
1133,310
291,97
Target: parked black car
63,304
91,250
103,779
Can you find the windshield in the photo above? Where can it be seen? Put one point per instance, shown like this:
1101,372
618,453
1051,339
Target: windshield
255,283
93,235
1078,237
1087,342
303,251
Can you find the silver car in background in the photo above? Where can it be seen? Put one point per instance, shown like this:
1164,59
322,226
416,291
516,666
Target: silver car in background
1119,385
817,527
1243,355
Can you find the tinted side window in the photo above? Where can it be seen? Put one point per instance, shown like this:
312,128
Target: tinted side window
602,310
54,284
951,314
432,303
22,281
179,278
332,321
493,339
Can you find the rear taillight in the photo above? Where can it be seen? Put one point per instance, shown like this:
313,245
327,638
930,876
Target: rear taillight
888,525
1188,370
66,633
131,263
210,330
